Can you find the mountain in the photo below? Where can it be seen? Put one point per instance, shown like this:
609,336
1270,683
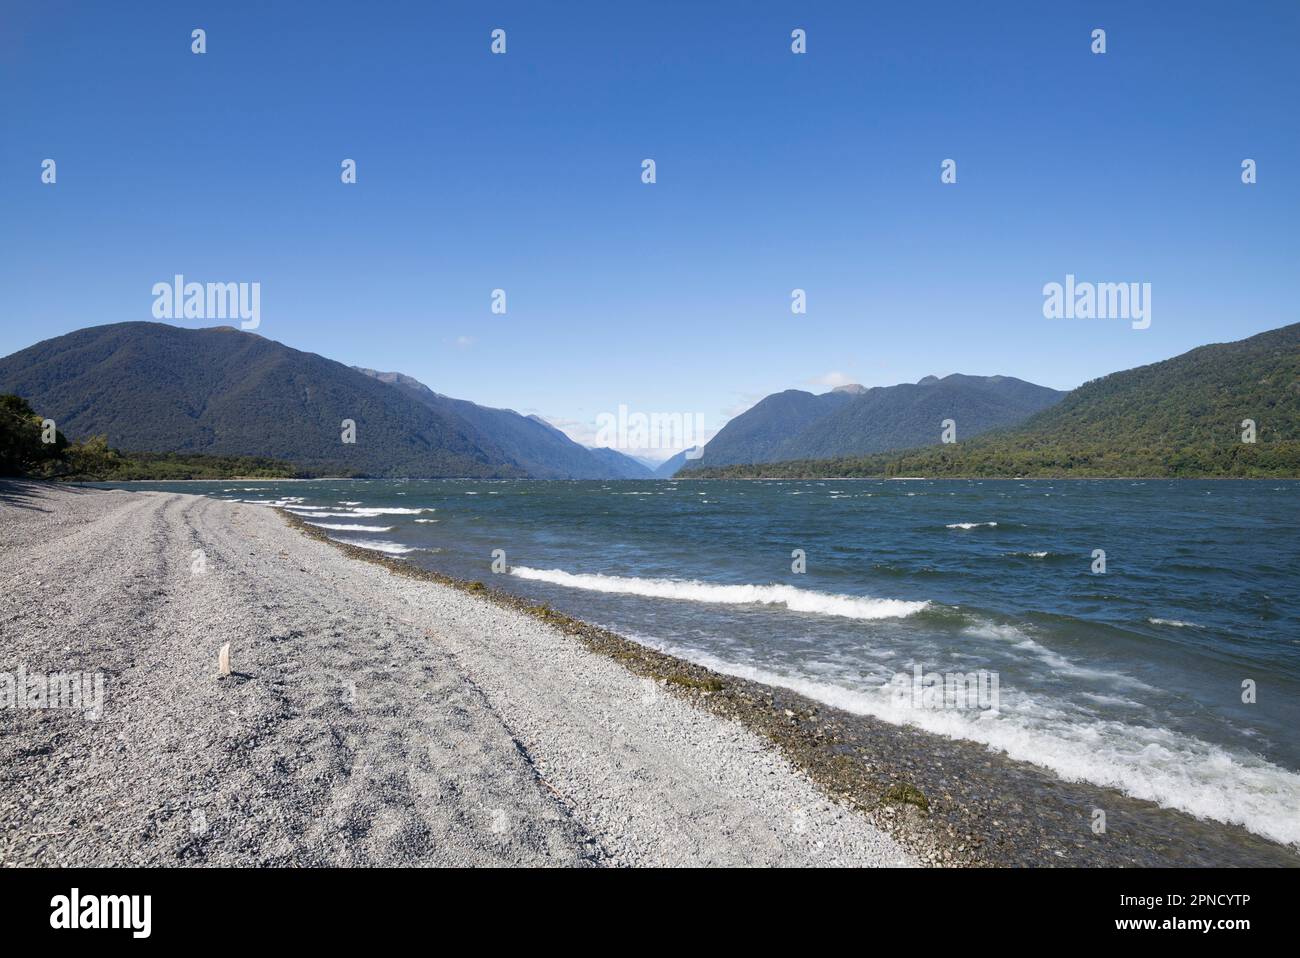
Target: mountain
668,468
1181,417
1197,399
151,387
623,466
855,421
756,434
529,442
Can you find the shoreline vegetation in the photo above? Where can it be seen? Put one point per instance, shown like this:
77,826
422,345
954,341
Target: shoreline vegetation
33,447
993,458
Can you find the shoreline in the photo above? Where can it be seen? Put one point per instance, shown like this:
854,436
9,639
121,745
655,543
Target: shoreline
123,482
367,719
950,802
383,714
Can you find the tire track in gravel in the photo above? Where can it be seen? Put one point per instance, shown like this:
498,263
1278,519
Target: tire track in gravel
378,739
78,598
372,719
659,781
271,766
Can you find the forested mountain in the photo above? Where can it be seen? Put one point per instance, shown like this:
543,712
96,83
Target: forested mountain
529,442
853,421
151,387
1184,416
756,434
621,465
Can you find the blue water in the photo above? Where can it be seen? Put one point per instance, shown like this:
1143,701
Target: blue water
1131,679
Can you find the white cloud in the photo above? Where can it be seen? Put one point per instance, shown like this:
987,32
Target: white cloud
586,433
583,433
831,379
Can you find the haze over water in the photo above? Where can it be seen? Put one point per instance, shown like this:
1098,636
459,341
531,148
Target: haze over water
1131,679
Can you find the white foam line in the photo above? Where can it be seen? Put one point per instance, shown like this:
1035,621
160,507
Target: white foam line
341,527
378,545
794,599
1151,763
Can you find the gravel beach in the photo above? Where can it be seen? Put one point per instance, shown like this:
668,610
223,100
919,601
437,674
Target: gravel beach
370,719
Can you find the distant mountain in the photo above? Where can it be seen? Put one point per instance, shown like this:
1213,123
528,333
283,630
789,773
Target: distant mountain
1181,417
756,434
1197,399
854,421
668,468
528,442
151,387
623,465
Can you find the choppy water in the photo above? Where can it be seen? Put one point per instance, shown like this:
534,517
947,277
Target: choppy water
1130,679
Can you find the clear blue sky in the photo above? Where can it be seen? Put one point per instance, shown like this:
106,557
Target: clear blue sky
775,171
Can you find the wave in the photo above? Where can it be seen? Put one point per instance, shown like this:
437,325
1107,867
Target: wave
379,545
339,527
1147,762
690,590
395,511
1175,623
969,525
1019,639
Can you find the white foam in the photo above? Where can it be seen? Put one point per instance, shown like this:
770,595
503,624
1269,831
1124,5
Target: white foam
1175,623
1154,764
689,590
1057,662
378,545
340,527
395,511
970,525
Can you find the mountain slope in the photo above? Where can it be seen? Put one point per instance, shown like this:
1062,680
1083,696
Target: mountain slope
1181,417
622,465
669,467
852,421
757,433
151,387
1198,398
911,414
529,442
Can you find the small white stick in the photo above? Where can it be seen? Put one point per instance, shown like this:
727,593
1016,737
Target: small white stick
223,661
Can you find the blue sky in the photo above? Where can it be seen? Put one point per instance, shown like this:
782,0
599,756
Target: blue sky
775,171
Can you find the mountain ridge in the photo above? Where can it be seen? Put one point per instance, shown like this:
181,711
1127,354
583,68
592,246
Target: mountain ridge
157,388
855,420
1184,416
